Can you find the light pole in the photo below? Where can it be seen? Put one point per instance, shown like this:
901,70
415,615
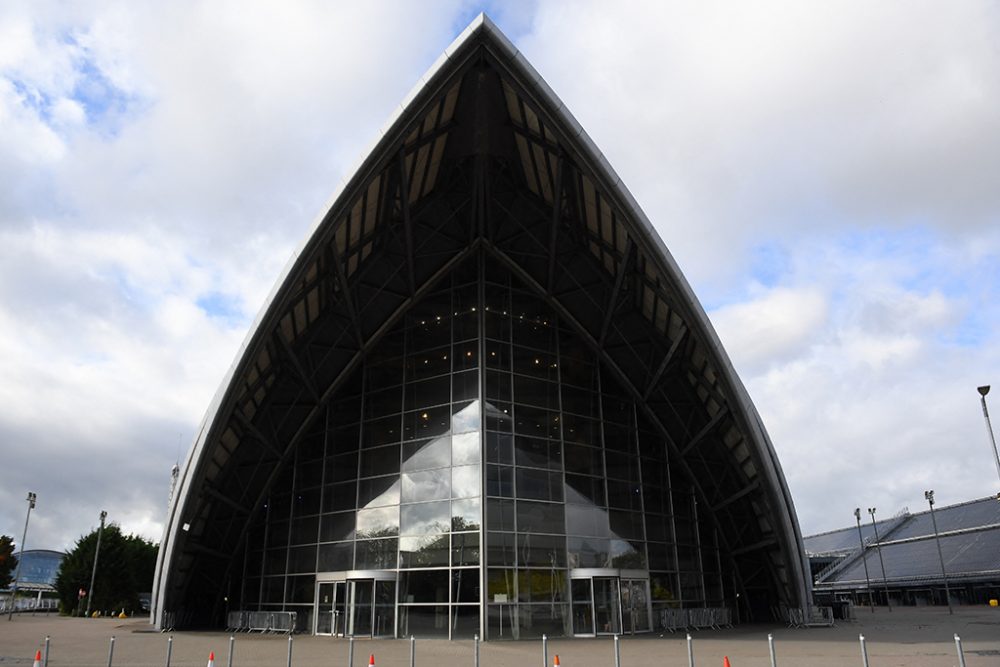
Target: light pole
97,553
864,559
985,389
17,573
929,495
878,547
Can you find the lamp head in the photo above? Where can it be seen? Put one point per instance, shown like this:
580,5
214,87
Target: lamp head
871,510
31,499
985,389
929,496
857,513
104,515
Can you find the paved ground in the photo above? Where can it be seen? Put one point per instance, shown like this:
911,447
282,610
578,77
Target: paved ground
917,637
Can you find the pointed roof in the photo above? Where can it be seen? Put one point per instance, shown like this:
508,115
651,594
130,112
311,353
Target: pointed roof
482,154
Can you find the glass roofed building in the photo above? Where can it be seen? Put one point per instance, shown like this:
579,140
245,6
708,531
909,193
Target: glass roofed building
482,400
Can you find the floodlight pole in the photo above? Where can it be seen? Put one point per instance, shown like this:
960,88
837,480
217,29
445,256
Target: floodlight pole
878,548
985,389
97,553
929,495
17,573
864,560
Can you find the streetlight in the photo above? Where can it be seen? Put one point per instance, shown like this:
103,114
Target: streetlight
878,547
985,389
17,573
864,559
97,552
929,495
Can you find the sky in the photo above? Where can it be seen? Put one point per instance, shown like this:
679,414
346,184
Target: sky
827,176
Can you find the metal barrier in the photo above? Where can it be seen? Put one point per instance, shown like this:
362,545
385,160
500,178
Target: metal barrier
282,622
23,605
799,617
705,617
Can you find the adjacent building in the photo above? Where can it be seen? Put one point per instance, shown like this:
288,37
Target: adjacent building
482,399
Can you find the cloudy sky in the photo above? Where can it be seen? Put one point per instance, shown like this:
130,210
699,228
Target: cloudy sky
827,175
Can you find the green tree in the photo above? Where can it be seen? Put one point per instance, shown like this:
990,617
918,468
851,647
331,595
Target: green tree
8,561
124,569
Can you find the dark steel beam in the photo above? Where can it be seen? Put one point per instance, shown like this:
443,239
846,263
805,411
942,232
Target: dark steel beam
756,546
404,203
297,366
609,311
674,346
256,433
705,430
750,488
345,294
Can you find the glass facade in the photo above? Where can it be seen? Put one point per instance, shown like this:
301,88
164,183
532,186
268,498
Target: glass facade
480,473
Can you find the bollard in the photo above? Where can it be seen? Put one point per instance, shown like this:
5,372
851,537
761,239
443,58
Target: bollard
111,650
45,656
770,646
618,653
232,645
413,651
864,651
475,642
170,648
961,653
545,651
690,652
350,652
289,663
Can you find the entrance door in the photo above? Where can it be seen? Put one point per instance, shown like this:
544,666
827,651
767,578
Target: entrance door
324,609
356,608
362,597
635,604
607,606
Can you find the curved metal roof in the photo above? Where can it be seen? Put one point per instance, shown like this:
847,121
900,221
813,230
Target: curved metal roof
482,155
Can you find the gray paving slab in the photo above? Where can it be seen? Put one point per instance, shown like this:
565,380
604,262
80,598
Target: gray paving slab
917,637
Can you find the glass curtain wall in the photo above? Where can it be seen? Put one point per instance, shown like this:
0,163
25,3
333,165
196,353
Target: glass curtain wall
480,389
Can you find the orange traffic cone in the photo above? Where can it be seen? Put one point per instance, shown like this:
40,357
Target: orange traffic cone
725,661
555,663
371,660
211,659
38,659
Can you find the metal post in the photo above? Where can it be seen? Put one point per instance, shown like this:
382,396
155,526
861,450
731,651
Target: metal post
289,663
170,648
618,654
232,645
690,652
17,573
475,642
929,495
985,389
864,559
545,651
864,651
111,650
350,652
878,548
770,647
97,553
413,651
961,653
45,656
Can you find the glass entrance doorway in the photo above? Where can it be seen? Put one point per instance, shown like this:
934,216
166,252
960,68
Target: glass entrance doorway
356,608
608,605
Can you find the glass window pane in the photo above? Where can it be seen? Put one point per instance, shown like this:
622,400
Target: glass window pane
541,585
465,621
427,364
627,525
385,402
342,496
427,393
500,514
465,549
379,522
426,423
427,621
537,364
541,550
500,549
423,551
500,582
376,554
539,484
626,495
302,559
380,461
381,431
536,392
587,520
536,422
465,386
378,491
423,586
465,448
342,468
586,460
465,514
498,416
305,531
498,386
465,585
582,430
465,481
425,518
588,552
538,453
465,417
466,355
426,485
499,481
535,517
336,557
423,454
584,489
499,448
336,527
628,555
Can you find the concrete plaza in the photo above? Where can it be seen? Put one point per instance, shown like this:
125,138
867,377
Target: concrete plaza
918,637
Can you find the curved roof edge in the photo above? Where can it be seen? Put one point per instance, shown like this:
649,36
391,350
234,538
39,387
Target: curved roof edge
614,184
